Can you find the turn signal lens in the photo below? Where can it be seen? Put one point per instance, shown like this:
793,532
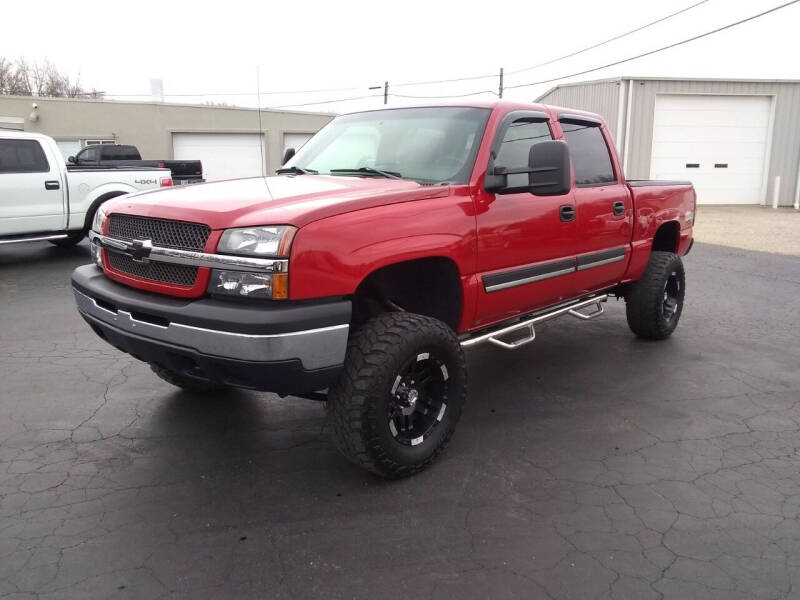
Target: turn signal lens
97,255
244,284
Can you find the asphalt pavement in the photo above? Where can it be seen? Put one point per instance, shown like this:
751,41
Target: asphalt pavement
589,464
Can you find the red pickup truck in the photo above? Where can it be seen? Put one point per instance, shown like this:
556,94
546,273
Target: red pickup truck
391,242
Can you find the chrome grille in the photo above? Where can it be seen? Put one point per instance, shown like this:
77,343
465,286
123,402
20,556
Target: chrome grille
171,234
155,271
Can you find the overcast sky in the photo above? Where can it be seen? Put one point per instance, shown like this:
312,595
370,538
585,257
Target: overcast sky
214,47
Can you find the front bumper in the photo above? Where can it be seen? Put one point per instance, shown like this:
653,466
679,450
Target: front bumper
288,348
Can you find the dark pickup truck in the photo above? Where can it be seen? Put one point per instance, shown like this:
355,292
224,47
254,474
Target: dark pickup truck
122,155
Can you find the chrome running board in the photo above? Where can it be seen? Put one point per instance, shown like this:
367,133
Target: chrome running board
32,238
569,309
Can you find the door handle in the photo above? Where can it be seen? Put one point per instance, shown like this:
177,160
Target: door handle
619,208
52,185
566,213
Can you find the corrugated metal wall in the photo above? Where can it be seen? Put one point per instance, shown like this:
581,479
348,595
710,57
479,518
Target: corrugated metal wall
784,151
601,97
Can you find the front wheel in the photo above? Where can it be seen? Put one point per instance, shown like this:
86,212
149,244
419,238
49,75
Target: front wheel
400,394
654,303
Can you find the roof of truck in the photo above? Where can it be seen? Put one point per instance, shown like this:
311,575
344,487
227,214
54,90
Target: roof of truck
492,104
22,135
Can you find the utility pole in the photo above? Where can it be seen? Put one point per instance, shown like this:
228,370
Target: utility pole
385,91
260,128
501,83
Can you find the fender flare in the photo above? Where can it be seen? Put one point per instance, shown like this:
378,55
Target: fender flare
101,194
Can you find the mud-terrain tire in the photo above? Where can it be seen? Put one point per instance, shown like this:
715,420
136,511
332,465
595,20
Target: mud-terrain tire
384,356
654,303
190,384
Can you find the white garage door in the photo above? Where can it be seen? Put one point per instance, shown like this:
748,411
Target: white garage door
719,143
69,147
224,155
295,140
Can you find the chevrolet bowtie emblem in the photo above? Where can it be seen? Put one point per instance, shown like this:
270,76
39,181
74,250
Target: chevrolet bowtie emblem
139,250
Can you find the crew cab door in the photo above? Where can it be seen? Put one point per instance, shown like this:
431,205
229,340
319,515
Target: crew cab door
603,203
525,243
31,188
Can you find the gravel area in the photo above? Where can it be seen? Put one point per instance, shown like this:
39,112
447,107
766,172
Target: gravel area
759,228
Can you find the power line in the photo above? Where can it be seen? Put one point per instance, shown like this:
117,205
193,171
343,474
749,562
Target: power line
609,40
446,96
478,77
331,101
643,54
263,93
431,82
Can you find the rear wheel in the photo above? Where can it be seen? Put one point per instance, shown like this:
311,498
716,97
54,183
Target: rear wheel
400,395
654,303
190,384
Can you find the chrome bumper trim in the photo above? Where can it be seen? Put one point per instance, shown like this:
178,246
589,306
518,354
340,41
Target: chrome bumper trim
146,252
315,348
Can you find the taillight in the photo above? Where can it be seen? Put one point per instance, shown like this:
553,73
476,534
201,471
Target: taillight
166,182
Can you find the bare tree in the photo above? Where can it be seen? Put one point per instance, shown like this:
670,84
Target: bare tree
20,78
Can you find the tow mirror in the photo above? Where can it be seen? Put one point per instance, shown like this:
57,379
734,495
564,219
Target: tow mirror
548,172
287,156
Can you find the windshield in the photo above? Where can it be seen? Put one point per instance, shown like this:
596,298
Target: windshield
429,145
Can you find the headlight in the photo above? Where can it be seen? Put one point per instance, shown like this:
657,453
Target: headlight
99,219
272,286
257,241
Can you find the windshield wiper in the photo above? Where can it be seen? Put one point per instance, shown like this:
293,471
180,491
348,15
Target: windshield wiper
370,171
296,171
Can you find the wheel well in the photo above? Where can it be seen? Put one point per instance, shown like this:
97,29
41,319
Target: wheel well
87,224
666,238
426,286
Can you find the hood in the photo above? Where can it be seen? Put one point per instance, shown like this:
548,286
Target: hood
280,200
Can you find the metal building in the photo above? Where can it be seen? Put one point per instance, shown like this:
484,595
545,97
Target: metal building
738,141
230,141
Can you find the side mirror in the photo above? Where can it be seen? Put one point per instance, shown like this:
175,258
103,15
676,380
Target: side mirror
287,156
548,172
550,169
71,160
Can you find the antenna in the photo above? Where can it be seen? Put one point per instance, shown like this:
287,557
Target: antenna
260,129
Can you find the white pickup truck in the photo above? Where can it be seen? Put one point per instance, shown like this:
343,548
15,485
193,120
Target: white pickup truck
41,200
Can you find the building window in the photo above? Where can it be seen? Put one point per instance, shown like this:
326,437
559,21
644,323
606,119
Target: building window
97,142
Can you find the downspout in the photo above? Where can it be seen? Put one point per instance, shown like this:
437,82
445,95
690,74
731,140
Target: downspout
627,129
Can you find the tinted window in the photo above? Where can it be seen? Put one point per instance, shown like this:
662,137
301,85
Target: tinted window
516,145
90,154
22,156
119,152
589,153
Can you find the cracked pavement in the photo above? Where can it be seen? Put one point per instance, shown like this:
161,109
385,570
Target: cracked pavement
587,465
